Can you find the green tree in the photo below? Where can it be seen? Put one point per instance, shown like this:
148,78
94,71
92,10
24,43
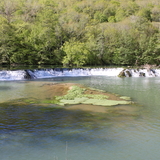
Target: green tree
76,53
155,16
33,32
100,17
120,15
145,13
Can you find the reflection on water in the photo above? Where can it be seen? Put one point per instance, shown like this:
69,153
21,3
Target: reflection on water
29,131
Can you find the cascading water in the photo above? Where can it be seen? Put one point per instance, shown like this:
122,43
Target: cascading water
49,73
12,75
142,72
64,72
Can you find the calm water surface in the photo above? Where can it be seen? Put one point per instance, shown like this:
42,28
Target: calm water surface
36,132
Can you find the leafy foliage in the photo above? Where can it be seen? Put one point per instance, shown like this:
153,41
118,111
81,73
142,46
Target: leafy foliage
77,33
76,53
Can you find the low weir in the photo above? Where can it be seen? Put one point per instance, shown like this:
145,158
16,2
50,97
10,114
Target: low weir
7,75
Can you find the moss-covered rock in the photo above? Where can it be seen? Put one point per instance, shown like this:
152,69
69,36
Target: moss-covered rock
78,92
74,94
77,95
125,98
104,102
122,74
96,96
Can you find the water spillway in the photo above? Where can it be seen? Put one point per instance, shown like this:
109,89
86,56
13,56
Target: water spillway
12,75
7,75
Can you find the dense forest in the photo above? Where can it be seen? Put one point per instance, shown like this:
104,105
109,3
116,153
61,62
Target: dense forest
80,32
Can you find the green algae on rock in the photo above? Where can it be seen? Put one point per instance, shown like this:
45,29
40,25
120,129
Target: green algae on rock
125,98
105,102
74,94
84,100
79,95
78,92
96,96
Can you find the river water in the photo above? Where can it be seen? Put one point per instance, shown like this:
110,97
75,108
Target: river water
37,132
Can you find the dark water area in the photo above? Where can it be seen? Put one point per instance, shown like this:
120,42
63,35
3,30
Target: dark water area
37,120
30,131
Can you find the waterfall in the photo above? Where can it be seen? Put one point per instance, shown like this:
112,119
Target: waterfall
142,72
12,75
65,72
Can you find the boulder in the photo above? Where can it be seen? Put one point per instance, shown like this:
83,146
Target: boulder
122,73
128,73
141,74
27,75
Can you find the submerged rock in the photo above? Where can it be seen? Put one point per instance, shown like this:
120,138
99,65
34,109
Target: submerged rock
66,94
71,96
79,95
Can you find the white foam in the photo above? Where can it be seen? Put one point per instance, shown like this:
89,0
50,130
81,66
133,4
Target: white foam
12,75
50,73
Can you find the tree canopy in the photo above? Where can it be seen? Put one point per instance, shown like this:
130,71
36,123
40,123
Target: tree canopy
80,32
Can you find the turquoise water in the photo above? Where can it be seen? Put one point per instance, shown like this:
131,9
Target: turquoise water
36,132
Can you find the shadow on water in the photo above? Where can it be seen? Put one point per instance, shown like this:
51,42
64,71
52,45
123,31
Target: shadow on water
32,124
5,88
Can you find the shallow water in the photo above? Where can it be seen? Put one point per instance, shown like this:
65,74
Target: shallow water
36,132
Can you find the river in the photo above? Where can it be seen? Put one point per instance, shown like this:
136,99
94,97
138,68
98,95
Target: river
37,132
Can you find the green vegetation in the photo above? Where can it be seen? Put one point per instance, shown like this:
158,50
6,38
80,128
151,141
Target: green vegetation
79,32
125,98
93,101
76,95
